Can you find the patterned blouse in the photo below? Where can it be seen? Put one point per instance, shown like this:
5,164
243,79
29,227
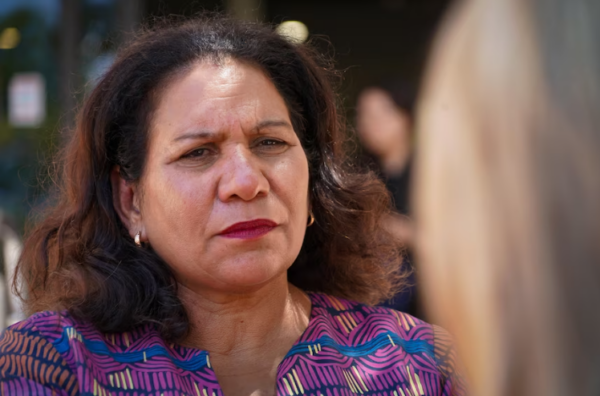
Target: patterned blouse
347,349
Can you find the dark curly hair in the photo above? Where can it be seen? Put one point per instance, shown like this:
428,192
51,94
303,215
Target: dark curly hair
81,258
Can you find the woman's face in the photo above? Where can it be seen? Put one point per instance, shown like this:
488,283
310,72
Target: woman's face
222,154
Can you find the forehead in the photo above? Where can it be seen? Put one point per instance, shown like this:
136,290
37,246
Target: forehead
216,95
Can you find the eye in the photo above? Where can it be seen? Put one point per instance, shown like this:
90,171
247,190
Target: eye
271,143
200,155
196,153
270,146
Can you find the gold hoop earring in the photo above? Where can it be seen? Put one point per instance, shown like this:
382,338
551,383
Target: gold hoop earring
137,239
311,221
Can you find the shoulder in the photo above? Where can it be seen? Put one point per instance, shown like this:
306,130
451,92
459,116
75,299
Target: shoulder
55,353
43,327
400,336
48,323
345,316
55,328
30,362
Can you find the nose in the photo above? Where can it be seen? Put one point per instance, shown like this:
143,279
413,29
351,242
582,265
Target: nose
242,177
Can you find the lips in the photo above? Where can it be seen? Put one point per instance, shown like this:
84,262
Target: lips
249,229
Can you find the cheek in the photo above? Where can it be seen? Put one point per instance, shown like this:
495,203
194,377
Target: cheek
300,185
293,179
289,182
175,202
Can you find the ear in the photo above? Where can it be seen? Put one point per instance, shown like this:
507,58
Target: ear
126,202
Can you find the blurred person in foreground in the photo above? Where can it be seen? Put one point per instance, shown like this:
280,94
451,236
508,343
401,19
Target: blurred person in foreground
210,237
384,122
508,194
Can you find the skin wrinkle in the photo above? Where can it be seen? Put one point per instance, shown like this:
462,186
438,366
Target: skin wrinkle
219,136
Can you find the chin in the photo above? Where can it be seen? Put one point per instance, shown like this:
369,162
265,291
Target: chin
248,275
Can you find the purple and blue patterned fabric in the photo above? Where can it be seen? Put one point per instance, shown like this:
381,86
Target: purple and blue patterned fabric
347,349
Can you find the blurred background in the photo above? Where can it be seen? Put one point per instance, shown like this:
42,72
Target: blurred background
53,51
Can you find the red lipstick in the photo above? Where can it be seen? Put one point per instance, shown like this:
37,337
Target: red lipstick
249,229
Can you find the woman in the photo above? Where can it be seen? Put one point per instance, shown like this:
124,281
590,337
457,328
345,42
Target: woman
508,194
207,234
384,121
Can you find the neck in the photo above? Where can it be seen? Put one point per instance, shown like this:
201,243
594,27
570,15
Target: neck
246,335
226,323
240,325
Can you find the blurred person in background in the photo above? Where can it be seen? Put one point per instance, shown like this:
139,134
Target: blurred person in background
208,236
507,199
384,122
384,126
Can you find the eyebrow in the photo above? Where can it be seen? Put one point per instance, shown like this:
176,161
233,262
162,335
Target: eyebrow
208,134
197,135
273,123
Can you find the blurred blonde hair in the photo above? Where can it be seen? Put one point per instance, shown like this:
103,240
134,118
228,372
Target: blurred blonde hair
507,198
